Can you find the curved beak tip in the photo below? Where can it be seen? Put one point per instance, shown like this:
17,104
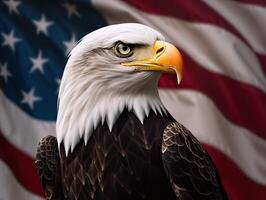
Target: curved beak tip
179,78
170,58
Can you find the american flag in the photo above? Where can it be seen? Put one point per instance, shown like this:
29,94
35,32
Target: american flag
222,98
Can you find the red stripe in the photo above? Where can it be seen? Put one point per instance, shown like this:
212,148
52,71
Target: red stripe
192,10
258,2
236,183
21,165
241,103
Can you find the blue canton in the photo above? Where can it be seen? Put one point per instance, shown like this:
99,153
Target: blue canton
35,39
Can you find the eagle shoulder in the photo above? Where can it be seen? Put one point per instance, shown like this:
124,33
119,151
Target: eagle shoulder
188,166
48,167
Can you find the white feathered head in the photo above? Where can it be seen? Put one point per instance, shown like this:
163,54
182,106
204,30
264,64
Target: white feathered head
113,68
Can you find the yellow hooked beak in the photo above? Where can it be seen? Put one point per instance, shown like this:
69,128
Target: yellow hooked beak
166,58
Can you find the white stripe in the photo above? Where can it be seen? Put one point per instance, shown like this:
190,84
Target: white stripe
20,129
11,189
200,115
211,46
248,19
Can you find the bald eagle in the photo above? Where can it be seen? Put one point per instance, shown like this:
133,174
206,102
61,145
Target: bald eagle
114,138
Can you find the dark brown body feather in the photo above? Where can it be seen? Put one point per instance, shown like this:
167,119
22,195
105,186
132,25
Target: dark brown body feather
188,166
48,167
128,163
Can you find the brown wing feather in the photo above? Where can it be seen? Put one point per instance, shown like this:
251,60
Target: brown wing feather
48,167
123,164
188,166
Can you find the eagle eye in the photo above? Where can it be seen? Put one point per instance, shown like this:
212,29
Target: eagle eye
123,50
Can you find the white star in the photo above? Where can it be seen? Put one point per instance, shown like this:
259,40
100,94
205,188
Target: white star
12,6
71,9
38,63
10,40
29,98
4,72
58,81
70,44
42,25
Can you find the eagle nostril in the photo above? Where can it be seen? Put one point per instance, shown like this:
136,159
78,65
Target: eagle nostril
159,50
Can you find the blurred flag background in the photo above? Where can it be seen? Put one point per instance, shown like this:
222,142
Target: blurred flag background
222,98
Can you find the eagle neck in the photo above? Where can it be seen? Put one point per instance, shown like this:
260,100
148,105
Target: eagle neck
97,102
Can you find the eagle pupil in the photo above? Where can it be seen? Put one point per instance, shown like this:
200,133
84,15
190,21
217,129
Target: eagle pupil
125,48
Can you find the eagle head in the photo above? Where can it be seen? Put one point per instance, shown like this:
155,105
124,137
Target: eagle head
112,69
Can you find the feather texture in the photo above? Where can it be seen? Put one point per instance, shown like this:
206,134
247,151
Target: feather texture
122,164
154,160
48,167
188,166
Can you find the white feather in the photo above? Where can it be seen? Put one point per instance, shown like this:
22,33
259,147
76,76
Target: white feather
95,88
